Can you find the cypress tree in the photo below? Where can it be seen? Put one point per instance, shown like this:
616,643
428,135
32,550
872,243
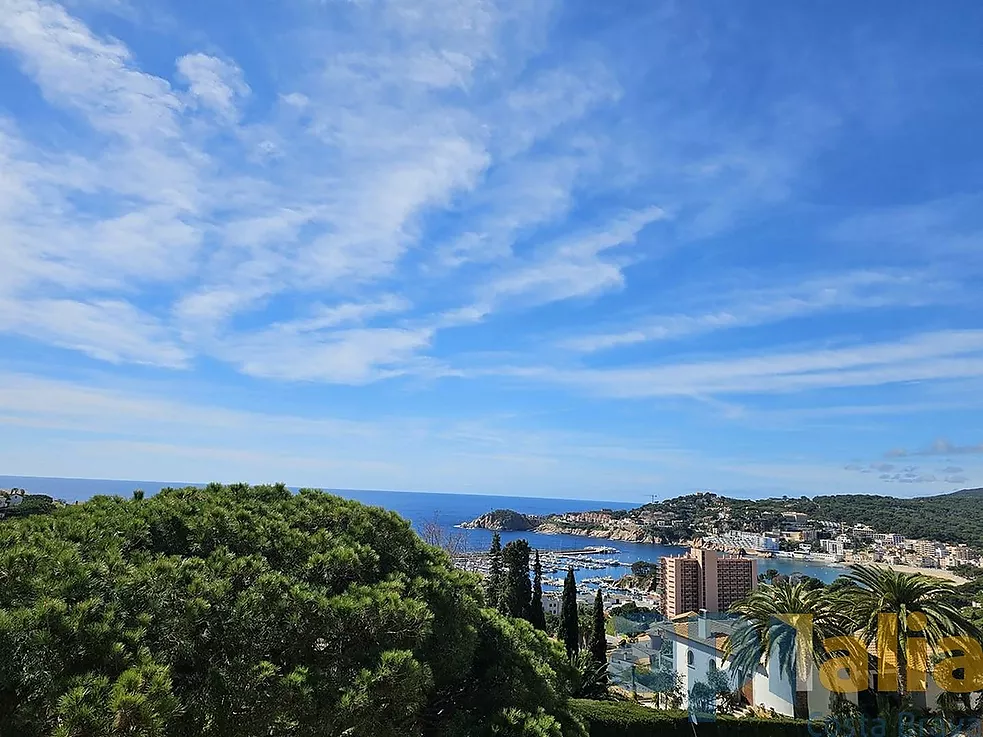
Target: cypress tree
569,625
598,639
517,590
537,615
493,584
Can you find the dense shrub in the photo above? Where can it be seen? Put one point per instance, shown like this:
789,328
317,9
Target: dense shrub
244,611
628,719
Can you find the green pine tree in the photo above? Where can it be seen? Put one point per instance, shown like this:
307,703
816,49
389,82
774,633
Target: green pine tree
493,584
537,615
598,638
517,590
569,626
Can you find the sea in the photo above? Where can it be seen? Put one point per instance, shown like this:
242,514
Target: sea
449,510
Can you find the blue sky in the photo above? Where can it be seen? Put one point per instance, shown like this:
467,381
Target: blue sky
597,250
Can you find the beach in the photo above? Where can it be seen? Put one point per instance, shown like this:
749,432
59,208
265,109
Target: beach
933,572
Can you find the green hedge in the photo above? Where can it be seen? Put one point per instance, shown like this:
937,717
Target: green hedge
627,719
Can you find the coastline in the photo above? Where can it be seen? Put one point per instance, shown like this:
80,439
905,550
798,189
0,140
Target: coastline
931,572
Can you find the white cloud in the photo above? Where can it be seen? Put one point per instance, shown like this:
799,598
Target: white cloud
572,268
339,215
418,166
349,356
942,227
939,447
214,83
332,316
93,76
108,330
929,356
853,291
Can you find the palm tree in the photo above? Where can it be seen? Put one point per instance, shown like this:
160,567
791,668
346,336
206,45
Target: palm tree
789,620
882,603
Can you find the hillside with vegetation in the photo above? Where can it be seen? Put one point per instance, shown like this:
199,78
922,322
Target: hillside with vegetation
245,611
949,518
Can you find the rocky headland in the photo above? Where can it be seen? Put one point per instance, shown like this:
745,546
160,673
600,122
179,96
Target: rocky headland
504,520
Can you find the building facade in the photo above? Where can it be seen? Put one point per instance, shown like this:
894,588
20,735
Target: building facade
705,579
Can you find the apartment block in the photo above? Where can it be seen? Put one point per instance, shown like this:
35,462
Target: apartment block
705,579
682,584
925,548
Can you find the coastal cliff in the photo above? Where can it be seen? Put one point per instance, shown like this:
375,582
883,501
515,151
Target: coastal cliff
602,525
626,533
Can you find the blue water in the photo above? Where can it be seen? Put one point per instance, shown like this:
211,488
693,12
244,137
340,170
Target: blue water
449,510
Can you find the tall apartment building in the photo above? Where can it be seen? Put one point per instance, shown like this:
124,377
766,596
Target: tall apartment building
682,582
705,579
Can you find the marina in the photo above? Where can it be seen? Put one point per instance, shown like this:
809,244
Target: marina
555,564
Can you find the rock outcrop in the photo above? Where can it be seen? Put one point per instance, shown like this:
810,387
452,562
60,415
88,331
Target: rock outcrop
504,520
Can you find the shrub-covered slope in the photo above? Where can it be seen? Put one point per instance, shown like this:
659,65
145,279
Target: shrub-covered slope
244,611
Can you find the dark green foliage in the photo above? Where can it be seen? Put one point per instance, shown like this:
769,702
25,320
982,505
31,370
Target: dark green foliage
493,583
590,679
627,719
585,624
629,609
32,504
644,569
769,576
950,518
645,575
598,638
967,571
537,615
810,582
249,611
569,615
517,590
702,698
666,685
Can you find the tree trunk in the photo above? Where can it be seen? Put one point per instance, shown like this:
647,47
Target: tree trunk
800,709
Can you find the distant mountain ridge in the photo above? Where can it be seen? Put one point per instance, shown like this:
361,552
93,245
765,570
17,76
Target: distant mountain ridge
949,518
966,492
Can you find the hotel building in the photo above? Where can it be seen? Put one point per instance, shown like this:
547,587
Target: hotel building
705,579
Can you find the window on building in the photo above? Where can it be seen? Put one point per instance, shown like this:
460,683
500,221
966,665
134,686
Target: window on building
689,658
712,666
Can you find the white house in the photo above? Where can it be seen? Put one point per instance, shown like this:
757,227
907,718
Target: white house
694,646
552,602
697,649
10,498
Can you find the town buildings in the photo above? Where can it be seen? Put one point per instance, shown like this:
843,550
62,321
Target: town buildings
705,579
694,646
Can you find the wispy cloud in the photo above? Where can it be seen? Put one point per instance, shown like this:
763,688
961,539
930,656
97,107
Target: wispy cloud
572,268
214,83
850,292
942,227
930,356
109,330
939,447
309,195
400,204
